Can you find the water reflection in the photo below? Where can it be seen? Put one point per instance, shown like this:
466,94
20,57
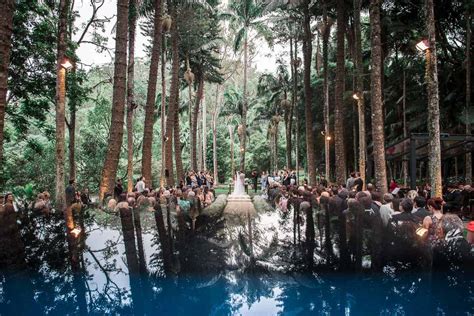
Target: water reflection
139,262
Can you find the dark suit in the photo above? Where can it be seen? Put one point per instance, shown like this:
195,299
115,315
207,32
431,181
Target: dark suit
405,217
421,213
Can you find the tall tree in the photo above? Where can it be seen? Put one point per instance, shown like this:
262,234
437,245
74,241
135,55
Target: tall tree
339,95
174,86
434,161
177,139
195,116
327,23
359,87
6,28
308,93
151,95
468,90
61,103
109,171
245,16
130,90
376,97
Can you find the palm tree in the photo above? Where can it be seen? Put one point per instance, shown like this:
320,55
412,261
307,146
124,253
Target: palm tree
376,98
275,90
109,171
339,93
232,108
307,54
60,103
434,162
151,94
6,28
358,69
130,91
245,16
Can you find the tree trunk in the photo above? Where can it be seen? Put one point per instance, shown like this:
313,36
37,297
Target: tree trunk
434,161
118,102
60,104
199,140
151,96
289,114
243,135
327,149
376,98
163,108
310,148
275,147
405,128
173,96
192,155
232,163
215,116
6,28
204,133
339,94
130,92
297,117
468,93
72,140
359,69
194,125
177,140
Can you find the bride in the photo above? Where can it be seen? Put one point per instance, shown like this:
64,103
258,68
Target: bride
239,188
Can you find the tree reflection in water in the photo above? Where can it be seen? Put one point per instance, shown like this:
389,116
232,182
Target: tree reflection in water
123,264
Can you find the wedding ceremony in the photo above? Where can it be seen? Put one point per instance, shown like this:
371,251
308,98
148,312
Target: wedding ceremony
236,157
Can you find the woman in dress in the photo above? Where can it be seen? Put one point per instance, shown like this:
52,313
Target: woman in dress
208,197
431,222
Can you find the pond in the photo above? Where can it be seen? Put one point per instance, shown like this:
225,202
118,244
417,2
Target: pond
118,266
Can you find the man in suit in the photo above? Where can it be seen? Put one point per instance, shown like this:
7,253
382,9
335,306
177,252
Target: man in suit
419,209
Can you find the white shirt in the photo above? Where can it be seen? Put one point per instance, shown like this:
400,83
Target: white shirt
140,186
386,213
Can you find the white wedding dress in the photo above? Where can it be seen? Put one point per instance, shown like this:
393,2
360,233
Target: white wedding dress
239,188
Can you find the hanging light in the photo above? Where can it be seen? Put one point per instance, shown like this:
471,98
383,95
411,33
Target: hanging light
328,138
423,45
66,64
356,96
76,231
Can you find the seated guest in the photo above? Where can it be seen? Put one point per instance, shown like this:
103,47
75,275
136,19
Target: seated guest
419,209
453,199
131,199
386,209
412,194
111,204
85,197
453,250
208,197
470,233
406,206
39,204
122,202
431,221
118,189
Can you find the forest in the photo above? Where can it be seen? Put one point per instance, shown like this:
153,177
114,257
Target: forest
347,80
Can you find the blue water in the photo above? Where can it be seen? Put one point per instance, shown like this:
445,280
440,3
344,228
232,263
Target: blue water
100,281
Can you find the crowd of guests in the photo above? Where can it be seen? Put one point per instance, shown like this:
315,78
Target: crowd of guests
406,223
189,199
198,179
